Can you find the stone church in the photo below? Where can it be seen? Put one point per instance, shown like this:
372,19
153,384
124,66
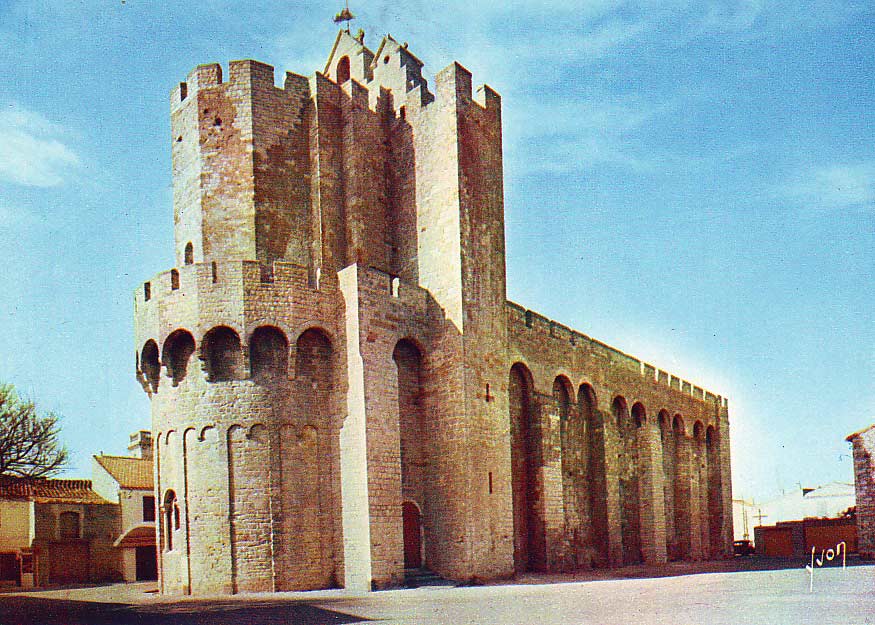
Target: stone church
341,392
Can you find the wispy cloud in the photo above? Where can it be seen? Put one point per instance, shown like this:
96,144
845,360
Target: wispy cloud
833,186
572,135
32,150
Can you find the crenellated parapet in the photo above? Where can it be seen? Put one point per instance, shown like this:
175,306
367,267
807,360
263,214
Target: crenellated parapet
528,321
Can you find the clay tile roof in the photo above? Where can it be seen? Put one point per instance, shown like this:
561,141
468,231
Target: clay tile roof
128,472
45,490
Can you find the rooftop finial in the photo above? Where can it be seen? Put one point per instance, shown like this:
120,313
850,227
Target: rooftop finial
344,16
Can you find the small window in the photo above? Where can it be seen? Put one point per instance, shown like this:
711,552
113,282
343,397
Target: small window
147,291
343,70
189,254
174,280
148,508
170,518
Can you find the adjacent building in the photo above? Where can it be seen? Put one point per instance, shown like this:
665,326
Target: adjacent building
341,391
128,481
863,444
55,531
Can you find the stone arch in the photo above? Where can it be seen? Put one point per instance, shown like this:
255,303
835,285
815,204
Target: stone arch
715,498
571,459
682,493
700,480
268,354
222,354
307,455
530,550
628,481
208,434
666,441
639,414
597,499
150,364
314,356
178,348
563,396
342,72
416,443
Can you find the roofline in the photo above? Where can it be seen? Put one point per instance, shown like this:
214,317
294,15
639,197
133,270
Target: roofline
403,47
850,437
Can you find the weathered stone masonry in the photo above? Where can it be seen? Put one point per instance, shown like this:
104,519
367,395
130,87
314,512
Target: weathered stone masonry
340,389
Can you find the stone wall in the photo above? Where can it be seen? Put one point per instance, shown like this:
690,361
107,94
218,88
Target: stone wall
863,444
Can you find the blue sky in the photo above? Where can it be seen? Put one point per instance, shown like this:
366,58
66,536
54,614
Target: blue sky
691,182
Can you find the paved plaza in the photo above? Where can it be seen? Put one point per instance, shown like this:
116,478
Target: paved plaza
839,596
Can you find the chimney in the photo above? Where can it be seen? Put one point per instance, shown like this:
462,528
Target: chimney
141,445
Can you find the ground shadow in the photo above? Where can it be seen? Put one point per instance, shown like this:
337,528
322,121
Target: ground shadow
41,611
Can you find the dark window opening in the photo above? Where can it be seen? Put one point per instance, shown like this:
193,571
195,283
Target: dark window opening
268,353
189,253
174,280
178,348
221,354
148,508
150,365
170,512
343,70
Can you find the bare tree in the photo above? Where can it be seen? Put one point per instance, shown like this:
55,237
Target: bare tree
29,444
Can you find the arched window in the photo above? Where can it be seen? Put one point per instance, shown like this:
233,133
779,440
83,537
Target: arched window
174,279
189,254
220,351
170,518
68,525
178,348
268,353
343,70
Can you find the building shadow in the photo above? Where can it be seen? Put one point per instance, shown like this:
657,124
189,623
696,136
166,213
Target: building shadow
41,611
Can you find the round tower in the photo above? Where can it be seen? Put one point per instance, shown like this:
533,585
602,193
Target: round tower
237,349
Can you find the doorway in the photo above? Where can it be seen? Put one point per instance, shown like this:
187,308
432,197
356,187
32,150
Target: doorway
147,563
412,521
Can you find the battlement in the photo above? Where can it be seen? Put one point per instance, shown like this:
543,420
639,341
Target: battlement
456,81
244,75
246,273
409,295
521,317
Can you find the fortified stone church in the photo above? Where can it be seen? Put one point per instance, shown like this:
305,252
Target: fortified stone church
341,392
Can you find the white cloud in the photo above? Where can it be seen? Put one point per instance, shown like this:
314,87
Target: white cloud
32,151
833,186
